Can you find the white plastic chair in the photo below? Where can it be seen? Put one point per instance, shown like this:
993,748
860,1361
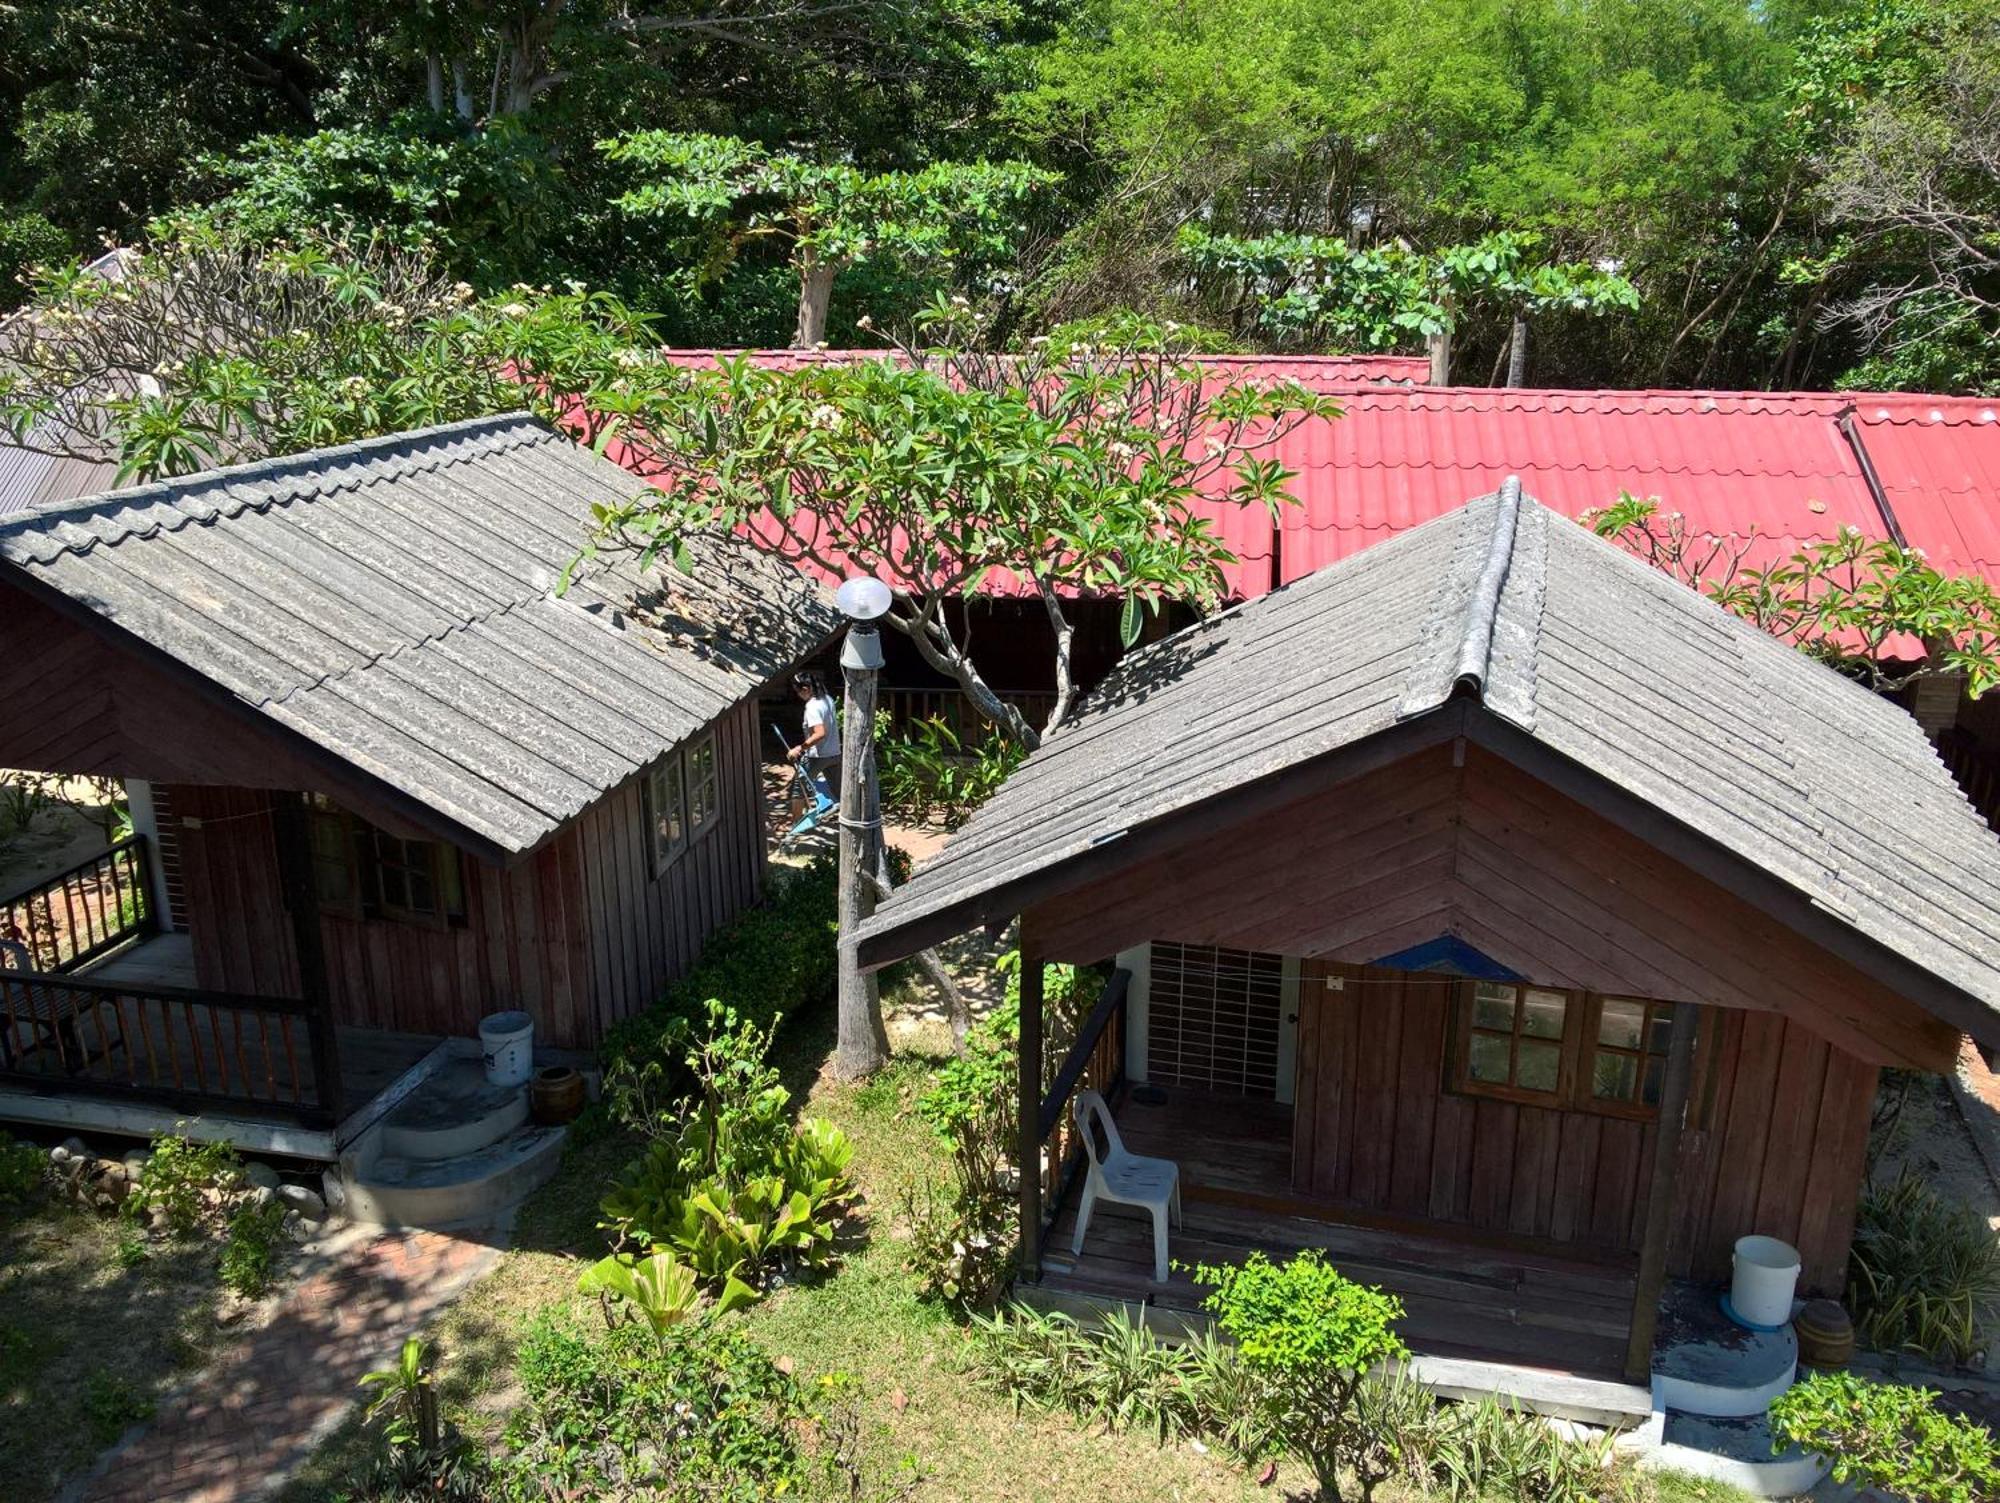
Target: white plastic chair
1126,1178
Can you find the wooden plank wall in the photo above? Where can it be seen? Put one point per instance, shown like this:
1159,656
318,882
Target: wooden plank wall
643,930
577,935
1776,1143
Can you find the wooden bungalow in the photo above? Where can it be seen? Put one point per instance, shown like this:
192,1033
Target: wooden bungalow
411,782
1491,911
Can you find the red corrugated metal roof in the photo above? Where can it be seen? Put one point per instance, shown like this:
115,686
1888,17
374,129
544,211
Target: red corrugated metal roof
1776,464
1938,459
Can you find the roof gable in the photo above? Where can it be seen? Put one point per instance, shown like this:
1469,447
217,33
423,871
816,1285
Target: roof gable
394,604
1586,656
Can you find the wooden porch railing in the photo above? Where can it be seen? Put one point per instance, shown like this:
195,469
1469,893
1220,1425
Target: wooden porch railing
1094,1061
77,915
906,706
190,1049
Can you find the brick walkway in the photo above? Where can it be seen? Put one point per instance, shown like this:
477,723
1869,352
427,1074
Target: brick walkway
244,1426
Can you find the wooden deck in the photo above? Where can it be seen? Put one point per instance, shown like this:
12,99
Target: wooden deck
1468,1295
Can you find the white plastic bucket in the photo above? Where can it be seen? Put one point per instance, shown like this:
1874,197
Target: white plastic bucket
1767,1274
507,1040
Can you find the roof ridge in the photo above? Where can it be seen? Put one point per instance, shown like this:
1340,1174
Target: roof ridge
1475,644
269,465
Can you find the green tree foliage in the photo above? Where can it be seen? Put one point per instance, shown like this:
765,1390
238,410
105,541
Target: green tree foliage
1890,1436
827,216
1071,471
1869,607
1321,292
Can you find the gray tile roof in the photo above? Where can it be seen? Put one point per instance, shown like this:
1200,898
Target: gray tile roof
1778,759
394,602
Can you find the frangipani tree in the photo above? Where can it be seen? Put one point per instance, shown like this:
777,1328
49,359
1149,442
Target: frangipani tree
1851,600
1063,472
829,215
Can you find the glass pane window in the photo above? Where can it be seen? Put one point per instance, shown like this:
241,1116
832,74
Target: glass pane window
1514,1038
405,876
335,870
703,805
1628,1055
667,810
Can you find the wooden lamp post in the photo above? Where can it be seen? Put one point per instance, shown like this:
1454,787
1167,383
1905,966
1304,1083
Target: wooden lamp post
863,1043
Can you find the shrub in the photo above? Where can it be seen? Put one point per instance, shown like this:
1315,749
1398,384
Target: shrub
250,1255
1115,1371
1924,1271
1888,1436
703,1413
23,1171
110,1403
930,771
1471,1451
175,1179
768,963
963,1241
1313,1336
728,1182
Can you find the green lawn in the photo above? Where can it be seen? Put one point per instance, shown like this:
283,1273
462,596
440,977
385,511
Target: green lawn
865,1320
88,1345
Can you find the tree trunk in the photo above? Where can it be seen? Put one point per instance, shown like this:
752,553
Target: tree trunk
863,1043
1438,346
1517,352
461,90
950,659
1065,635
929,961
815,293
434,83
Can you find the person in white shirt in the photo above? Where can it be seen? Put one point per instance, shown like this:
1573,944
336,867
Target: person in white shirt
820,747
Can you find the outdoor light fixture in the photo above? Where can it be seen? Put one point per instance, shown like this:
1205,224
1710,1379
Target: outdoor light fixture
863,601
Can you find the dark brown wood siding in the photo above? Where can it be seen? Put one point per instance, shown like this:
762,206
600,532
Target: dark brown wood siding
578,934
1776,1141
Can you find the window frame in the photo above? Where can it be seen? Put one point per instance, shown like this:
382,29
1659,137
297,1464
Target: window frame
1582,1019
1637,1108
694,771
443,869
1467,1029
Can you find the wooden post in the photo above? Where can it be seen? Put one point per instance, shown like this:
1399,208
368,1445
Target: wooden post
1660,1202
1517,353
862,1042
1028,1155
300,889
1438,346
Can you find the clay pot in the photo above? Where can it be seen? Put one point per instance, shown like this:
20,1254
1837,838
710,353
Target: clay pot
1826,1334
555,1095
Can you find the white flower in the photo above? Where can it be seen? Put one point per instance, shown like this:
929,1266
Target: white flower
514,310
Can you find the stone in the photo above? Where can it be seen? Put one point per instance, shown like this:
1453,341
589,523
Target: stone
74,1148
333,1189
259,1195
261,1176
109,1169
136,1159
307,1203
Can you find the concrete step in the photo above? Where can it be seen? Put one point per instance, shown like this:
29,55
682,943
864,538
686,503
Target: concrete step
453,1113
1706,1364
1737,1451
475,1188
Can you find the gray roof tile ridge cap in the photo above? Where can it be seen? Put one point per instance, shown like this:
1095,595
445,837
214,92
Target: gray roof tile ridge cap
1475,648
230,477
481,618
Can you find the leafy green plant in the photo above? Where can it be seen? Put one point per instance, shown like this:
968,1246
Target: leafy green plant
1115,1371
1889,1436
703,1412
177,1181
928,771
770,962
728,1183
1923,1273
405,1399
1467,1452
1313,1335
23,1171
962,1240
660,1290
250,1255
111,1403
